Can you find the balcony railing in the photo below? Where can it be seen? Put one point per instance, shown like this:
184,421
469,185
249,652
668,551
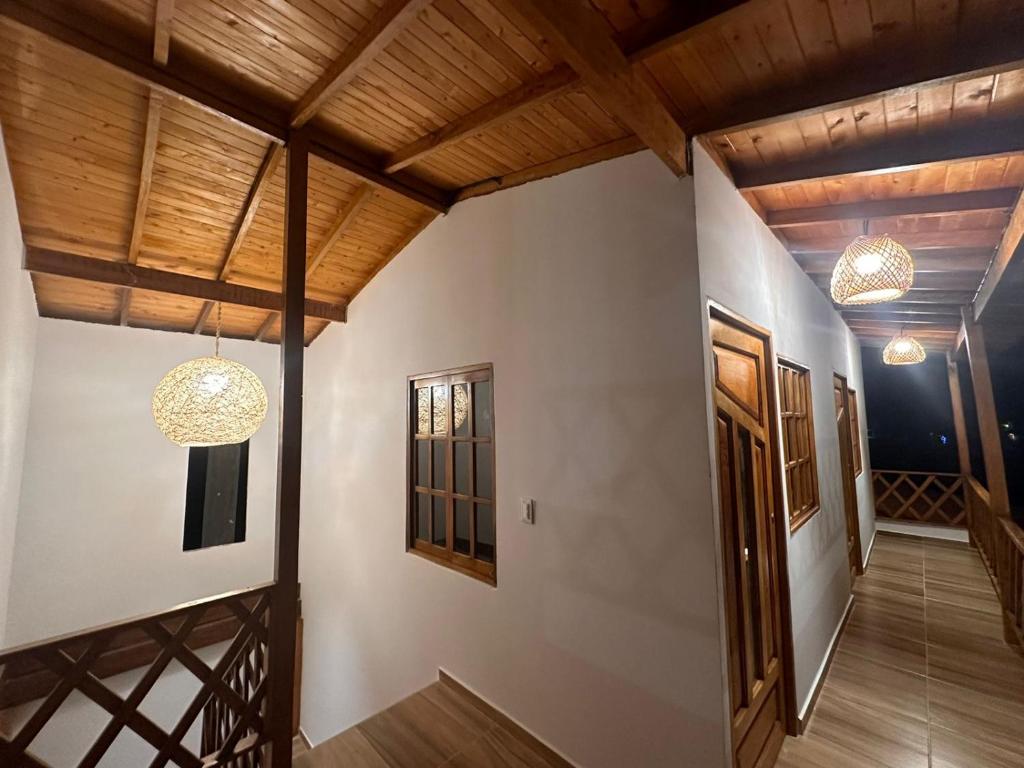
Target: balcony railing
937,498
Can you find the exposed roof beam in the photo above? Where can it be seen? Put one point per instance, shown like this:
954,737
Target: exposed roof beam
936,260
208,90
399,247
972,140
346,218
927,282
49,262
268,322
1008,246
892,316
162,22
384,27
582,36
145,174
902,308
978,201
915,241
679,23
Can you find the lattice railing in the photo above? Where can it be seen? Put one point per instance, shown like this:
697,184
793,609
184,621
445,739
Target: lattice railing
234,688
920,497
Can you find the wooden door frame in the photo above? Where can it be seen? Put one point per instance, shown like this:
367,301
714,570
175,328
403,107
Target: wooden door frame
716,310
852,481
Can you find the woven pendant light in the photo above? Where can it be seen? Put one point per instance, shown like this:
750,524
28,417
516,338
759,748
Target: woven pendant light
903,350
872,269
210,401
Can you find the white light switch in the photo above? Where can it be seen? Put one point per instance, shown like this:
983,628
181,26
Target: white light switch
526,508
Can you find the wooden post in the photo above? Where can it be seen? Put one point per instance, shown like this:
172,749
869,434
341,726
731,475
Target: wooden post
959,423
284,609
988,422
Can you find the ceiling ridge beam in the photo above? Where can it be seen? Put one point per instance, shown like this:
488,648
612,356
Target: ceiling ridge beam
369,42
69,265
1008,246
974,201
973,140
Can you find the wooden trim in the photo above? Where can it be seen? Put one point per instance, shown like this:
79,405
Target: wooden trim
975,140
549,755
582,36
1008,246
976,201
612,149
371,40
805,718
797,518
70,265
959,422
281,701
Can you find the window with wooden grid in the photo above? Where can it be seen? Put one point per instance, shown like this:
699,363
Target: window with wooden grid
451,516
858,464
798,442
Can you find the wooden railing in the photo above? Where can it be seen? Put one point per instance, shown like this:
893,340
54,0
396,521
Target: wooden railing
1000,542
920,497
233,690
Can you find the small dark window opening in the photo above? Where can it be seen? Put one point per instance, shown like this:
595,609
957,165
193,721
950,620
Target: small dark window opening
215,496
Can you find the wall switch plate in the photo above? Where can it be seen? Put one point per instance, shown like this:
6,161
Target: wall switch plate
526,511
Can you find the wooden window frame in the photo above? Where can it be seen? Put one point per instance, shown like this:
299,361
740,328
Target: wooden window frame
858,460
804,433
446,556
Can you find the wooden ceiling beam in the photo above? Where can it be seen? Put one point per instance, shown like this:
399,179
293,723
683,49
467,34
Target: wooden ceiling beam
896,316
162,22
386,24
212,92
583,38
913,241
974,140
678,23
902,308
935,260
926,282
1008,246
48,262
925,206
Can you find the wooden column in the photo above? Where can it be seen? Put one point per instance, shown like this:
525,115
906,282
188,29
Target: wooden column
959,423
284,613
988,422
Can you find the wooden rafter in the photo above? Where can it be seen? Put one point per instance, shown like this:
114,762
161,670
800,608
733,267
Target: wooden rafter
915,241
925,260
49,262
1008,246
162,23
925,206
678,23
384,27
971,141
584,39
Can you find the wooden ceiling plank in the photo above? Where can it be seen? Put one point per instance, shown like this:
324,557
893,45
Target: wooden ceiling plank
346,218
974,141
162,23
976,201
382,29
266,325
1008,246
585,40
43,261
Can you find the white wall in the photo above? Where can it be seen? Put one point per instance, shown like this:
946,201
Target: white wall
602,636
745,268
17,347
103,492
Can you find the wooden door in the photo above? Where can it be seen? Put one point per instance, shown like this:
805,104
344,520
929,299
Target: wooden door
747,486
843,425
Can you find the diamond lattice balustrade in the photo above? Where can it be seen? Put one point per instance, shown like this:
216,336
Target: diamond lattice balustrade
230,698
920,497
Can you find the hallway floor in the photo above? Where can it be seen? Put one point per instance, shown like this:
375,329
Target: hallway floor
922,677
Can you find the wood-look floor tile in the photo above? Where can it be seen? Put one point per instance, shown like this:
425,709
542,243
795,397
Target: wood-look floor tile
964,596
496,749
458,707
873,685
886,737
897,563
883,584
811,752
899,620
994,720
416,733
954,750
350,749
948,624
981,666
888,650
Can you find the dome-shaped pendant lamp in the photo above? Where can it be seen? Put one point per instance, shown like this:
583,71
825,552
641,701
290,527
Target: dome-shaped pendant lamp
872,269
903,350
209,401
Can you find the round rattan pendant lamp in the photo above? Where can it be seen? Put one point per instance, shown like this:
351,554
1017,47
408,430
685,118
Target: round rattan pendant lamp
872,269
209,401
903,350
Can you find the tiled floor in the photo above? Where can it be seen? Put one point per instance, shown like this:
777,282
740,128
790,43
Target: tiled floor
439,726
922,677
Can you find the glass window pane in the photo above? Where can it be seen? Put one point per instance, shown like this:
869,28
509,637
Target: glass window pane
460,409
462,468
440,526
422,477
484,481
482,409
423,411
462,512
440,409
422,516
485,532
440,455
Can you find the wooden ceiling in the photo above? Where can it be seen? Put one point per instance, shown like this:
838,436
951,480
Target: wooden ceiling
146,137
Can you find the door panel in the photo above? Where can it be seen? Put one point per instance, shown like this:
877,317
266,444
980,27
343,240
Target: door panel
746,487
844,428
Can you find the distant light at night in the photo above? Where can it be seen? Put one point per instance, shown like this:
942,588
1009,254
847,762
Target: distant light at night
944,439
